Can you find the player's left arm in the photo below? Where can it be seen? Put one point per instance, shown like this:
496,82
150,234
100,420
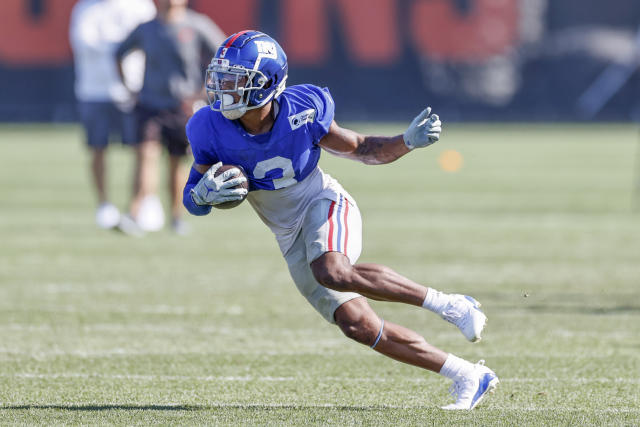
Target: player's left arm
375,150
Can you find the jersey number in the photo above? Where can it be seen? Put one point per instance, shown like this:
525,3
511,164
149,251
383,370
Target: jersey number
288,174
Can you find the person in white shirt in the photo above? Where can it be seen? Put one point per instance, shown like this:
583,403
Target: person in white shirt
97,28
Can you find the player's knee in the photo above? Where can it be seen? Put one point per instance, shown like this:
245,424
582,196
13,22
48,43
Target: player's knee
359,329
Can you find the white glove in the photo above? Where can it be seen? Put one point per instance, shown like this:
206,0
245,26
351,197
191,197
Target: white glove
423,131
213,190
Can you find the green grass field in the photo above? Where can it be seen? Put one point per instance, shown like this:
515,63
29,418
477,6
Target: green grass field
97,327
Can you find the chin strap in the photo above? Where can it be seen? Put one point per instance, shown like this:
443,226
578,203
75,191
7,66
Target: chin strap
281,87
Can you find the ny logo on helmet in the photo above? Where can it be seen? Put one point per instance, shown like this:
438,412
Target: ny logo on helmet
267,48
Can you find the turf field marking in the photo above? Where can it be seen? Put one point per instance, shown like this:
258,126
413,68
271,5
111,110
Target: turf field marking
268,378
308,350
293,406
565,409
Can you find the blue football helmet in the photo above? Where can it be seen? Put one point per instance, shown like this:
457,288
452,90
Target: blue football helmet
248,71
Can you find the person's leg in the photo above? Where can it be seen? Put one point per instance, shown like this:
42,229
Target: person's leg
148,150
375,281
177,143
145,183
176,183
335,271
145,180
358,321
98,172
131,138
107,215
471,382
331,226
334,268
96,118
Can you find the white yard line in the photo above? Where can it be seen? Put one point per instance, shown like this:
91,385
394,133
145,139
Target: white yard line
160,328
249,378
307,350
295,405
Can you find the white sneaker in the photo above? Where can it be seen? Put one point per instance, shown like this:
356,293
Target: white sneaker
107,215
464,312
470,390
150,216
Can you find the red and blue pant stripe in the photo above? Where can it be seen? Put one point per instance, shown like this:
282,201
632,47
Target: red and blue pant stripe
338,225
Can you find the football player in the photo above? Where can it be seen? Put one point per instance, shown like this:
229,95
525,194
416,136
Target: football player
276,134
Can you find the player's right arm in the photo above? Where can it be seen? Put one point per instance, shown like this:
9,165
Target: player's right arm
203,188
195,176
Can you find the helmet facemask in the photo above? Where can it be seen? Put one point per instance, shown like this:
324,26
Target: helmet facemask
230,88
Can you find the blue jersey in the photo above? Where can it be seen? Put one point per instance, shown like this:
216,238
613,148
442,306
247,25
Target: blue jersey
277,159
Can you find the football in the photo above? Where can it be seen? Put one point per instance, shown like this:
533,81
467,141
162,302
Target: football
234,203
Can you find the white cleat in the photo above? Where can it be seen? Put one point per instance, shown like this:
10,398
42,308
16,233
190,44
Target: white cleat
464,312
470,390
107,216
150,215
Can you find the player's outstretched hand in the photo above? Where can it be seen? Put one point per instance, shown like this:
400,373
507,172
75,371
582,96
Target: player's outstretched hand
213,190
424,130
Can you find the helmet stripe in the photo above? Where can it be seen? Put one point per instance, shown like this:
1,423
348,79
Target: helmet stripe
230,42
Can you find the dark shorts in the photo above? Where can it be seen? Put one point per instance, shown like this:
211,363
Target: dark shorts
104,121
166,126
